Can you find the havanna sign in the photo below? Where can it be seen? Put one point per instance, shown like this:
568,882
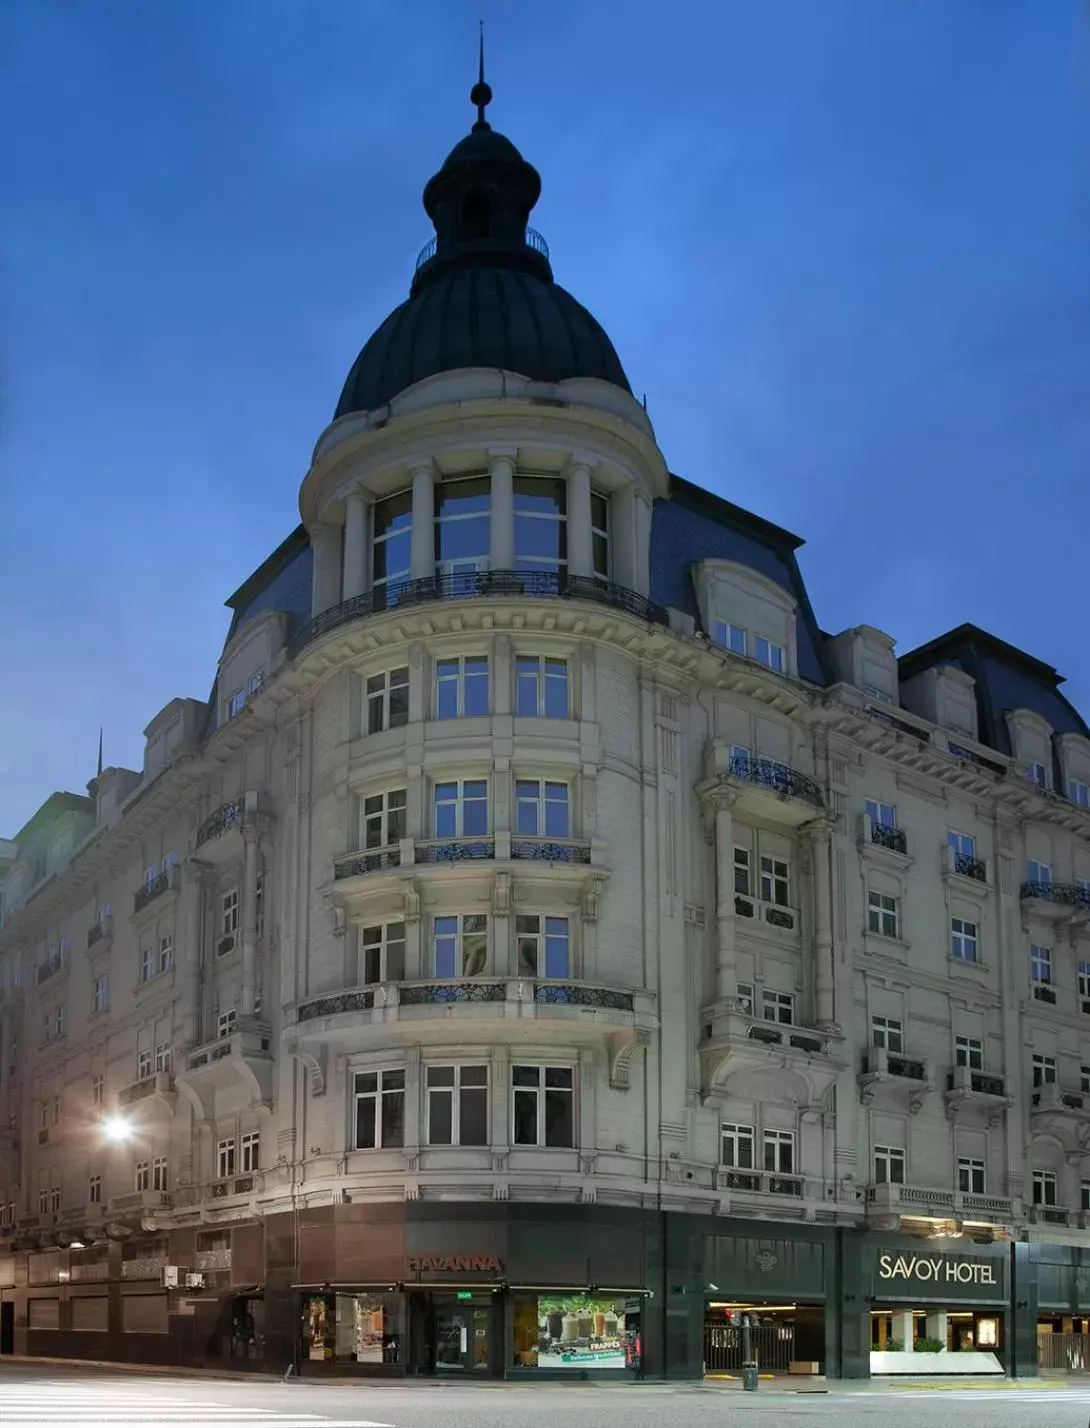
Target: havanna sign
944,1276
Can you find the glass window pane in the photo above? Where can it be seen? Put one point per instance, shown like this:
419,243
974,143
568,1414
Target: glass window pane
473,1116
393,1119
525,1117
474,1075
365,1123
524,1075
559,1129
560,1076
441,1117
440,1075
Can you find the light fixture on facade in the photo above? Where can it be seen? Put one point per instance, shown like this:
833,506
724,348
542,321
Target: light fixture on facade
117,1129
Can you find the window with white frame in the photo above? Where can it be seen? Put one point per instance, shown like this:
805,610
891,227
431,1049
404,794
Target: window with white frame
1044,1070
887,1033
98,1090
165,958
159,1173
970,1176
889,1165
143,1175
731,637
769,653
100,993
1038,872
383,818
379,1110
1084,1195
226,1022
542,808
457,1105
541,687
745,997
1038,774
250,1152
460,944
779,1151
225,1157
236,702
382,953
969,1051
43,1201
259,902
1084,979
599,535
963,844
460,808
963,940
1044,1187
386,700
541,525
1040,964
742,872
543,1106
391,546
164,1056
736,1145
462,529
94,1190
778,1006
884,815
54,1199
883,914
229,913
147,963
143,1065
1078,792
1084,1078
55,1110
461,687
776,881
544,946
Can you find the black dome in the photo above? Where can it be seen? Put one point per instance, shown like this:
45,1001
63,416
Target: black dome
484,295
481,316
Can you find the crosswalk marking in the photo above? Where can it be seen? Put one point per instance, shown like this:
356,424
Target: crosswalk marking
25,1405
988,1395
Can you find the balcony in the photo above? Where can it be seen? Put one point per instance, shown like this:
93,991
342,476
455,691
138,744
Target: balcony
139,1202
53,965
1050,1215
762,788
1055,902
754,1186
1055,1109
477,585
228,815
229,1187
892,1201
100,937
160,1085
740,1052
219,836
244,1058
967,1089
906,1076
880,838
156,890
770,913
970,872
363,864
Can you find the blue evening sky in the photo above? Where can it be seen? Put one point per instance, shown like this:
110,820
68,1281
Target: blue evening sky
840,244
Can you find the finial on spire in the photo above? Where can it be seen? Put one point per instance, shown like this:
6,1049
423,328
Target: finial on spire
481,93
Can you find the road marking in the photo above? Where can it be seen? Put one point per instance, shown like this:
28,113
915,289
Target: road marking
978,1395
25,1405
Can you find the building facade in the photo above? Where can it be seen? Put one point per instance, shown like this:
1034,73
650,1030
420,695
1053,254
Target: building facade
547,942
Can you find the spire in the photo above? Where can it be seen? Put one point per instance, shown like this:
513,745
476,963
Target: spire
481,93
99,774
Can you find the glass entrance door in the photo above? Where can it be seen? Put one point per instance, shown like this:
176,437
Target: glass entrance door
461,1336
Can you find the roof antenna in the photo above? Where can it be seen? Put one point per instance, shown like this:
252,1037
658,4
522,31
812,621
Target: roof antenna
481,93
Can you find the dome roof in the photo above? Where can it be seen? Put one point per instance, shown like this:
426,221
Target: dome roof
481,316
483,293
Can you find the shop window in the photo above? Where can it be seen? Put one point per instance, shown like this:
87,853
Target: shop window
383,818
970,1176
775,881
888,1033
578,1332
461,808
963,940
883,915
386,700
382,953
544,947
889,1165
380,1110
779,1151
542,808
541,687
460,945
778,1007
542,1106
1044,1187
736,1146
362,1329
461,687
969,1051
1044,1070
457,1105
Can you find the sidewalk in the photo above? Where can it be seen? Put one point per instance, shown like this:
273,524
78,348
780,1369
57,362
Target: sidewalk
841,1387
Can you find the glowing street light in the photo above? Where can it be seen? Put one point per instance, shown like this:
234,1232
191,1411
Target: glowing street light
117,1129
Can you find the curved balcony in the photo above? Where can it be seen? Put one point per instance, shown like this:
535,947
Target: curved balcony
476,585
227,815
244,1058
742,1055
764,788
1055,901
534,240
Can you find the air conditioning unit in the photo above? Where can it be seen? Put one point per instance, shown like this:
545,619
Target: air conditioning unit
194,1281
173,1277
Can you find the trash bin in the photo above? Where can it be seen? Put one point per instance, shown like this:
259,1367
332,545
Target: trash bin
749,1377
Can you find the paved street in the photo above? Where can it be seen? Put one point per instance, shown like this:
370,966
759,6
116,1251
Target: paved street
52,1395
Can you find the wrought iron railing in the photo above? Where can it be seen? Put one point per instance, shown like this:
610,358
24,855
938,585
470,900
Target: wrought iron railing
970,867
785,1185
438,993
533,239
49,968
455,850
1064,894
228,815
739,1180
153,888
383,860
362,999
95,934
550,850
885,837
980,1082
572,994
906,1067
780,778
472,585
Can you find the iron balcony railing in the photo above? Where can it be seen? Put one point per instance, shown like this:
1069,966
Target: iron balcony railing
228,815
478,584
780,778
970,867
886,837
153,888
378,860
1064,894
533,240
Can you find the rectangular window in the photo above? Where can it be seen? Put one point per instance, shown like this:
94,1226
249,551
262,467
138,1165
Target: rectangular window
100,993
1084,1078
775,881
43,1202
1084,1195
769,653
541,687
969,1051
599,535
884,815
391,546
98,1090
236,703
1044,1187
54,1199
460,944
143,1175
382,953
380,1110
541,525
542,808
165,959
226,1022
147,963
250,1147
1037,774
1040,964
882,915
963,844
742,871
225,1158
94,1190
229,913
887,1033
778,1007
462,531
143,1065
387,700
963,940
542,1106
383,818
544,947
779,1151
736,1146
970,1176
1078,792
461,687
1044,1070
889,1165
731,637
745,997
461,808
159,1173
457,1105
1039,873
1084,980
60,1018
163,1056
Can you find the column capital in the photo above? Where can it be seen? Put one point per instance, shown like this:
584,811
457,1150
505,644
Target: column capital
818,830
193,871
421,466
581,461
503,452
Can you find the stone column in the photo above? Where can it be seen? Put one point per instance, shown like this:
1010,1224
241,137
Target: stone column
580,544
326,582
189,949
821,841
641,549
423,533
622,537
903,1328
355,545
726,958
250,836
501,470
936,1325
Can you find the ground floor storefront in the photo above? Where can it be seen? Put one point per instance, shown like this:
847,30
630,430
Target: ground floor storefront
545,1291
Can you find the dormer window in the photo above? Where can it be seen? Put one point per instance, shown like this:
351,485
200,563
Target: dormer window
747,613
769,653
731,637
239,699
1038,774
1078,792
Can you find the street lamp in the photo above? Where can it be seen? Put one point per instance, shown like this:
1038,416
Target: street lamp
117,1129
